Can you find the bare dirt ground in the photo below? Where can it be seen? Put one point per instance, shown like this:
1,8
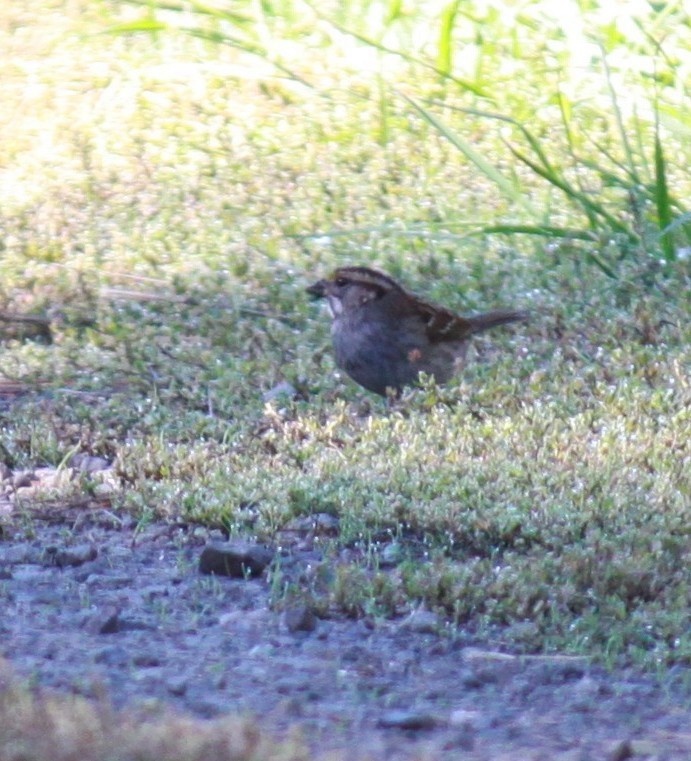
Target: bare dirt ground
90,602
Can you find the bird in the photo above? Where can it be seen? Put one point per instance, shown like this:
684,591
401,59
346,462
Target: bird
385,336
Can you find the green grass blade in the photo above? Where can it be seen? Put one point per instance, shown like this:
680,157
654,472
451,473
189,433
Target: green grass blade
662,200
595,259
623,134
546,231
140,25
530,138
592,209
201,8
445,51
506,186
462,83
394,11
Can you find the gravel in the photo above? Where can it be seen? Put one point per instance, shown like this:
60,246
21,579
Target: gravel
94,603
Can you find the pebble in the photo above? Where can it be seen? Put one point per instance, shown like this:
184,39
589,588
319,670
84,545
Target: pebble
421,621
236,559
412,720
300,618
73,556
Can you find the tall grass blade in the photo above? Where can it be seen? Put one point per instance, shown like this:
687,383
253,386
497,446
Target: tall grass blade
662,200
394,11
445,51
507,187
546,231
140,25
462,83
623,134
591,256
593,210
224,14
530,138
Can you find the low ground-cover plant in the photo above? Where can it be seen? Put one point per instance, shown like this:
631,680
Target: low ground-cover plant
540,500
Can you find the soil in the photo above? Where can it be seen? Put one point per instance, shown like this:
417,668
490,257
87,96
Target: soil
92,601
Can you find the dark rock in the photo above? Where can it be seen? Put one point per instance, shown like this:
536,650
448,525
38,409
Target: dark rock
414,720
154,592
71,556
620,751
23,478
177,685
236,559
147,660
106,621
300,618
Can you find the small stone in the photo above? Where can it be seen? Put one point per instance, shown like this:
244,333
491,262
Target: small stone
23,478
177,685
489,666
421,621
284,389
620,751
465,719
105,621
85,463
72,556
585,695
113,655
5,472
147,660
319,524
155,591
413,720
391,555
300,618
236,559
476,679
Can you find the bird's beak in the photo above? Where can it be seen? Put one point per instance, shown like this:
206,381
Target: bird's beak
317,290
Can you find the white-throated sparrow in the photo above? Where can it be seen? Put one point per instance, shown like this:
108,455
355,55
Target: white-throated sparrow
384,336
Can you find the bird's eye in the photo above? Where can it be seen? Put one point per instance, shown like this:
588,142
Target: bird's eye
341,282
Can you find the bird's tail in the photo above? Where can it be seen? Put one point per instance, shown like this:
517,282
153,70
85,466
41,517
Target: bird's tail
488,320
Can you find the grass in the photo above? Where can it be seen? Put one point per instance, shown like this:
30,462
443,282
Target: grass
164,202
36,725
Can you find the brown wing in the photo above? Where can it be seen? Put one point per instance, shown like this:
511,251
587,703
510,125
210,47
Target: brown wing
444,325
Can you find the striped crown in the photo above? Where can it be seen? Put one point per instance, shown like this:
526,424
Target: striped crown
366,276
